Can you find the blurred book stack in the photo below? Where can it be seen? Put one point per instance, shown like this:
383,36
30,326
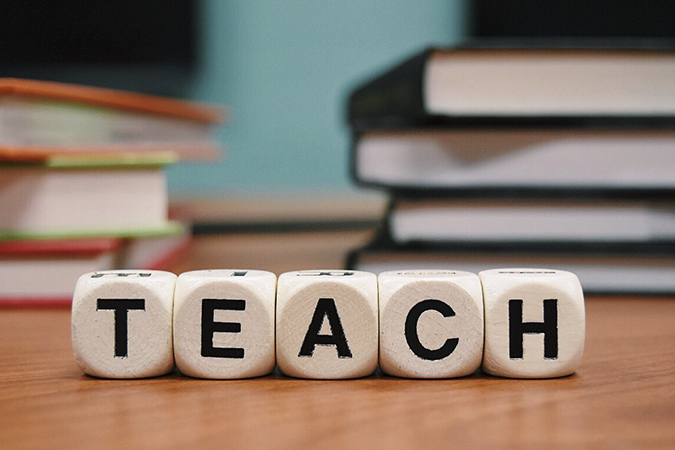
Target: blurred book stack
523,156
83,184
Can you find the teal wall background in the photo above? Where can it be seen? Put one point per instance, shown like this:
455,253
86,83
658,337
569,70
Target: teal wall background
283,69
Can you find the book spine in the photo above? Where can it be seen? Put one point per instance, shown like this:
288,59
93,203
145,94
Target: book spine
398,93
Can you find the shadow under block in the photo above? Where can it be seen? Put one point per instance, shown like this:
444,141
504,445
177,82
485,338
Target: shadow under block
121,323
534,322
431,323
224,323
327,324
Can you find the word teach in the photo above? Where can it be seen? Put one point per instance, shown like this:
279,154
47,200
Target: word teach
329,324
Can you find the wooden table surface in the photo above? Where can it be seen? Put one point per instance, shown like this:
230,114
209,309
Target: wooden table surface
622,397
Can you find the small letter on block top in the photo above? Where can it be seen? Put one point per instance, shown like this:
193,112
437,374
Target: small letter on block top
224,323
431,323
534,322
121,323
327,324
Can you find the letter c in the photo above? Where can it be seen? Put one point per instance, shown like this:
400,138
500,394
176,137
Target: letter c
411,330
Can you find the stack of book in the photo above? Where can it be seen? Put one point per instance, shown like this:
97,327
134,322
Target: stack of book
83,184
549,157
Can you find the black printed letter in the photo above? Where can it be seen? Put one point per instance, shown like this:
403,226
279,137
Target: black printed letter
325,307
549,327
121,306
411,330
209,326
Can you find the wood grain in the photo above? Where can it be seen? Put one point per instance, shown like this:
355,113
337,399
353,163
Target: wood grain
621,397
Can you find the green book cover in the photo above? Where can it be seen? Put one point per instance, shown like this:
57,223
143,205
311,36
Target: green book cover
171,228
111,161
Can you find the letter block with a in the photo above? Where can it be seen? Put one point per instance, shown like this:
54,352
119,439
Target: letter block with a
121,323
327,325
534,322
431,323
224,323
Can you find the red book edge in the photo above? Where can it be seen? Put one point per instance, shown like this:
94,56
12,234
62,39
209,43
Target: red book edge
161,263
84,246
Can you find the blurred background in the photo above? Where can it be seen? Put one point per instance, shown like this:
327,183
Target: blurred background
283,69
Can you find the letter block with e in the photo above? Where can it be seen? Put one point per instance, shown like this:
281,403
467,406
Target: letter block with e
224,323
121,323
327,325
431,323
534,322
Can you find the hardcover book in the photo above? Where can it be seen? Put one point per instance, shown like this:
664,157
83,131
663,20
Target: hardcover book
39,119
518,221
43,272
438,85
45,201
623,160
602,269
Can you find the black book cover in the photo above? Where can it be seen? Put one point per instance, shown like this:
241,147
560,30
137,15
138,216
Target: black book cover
395,98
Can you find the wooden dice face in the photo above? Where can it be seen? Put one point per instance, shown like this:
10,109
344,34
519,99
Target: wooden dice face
534,322
327,325
431,323
224,323
122,323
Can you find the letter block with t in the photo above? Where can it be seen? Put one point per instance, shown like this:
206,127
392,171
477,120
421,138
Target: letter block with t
327,324
534,322
431,323
121,323
224,323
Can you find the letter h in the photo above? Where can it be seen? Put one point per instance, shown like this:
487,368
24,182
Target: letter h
549,327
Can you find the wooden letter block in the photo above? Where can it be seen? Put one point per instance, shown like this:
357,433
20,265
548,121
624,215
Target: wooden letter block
121,323
327,325
431,323
224,323
534,322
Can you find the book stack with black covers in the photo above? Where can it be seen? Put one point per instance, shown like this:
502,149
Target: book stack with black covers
554,157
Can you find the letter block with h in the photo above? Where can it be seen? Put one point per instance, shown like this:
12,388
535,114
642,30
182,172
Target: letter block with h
534,322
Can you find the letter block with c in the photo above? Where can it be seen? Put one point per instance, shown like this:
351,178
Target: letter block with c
431,323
